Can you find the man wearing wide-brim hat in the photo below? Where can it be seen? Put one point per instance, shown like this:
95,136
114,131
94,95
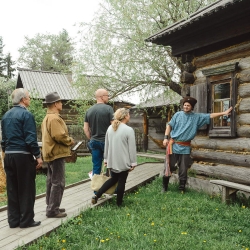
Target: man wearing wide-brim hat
181,129
56,144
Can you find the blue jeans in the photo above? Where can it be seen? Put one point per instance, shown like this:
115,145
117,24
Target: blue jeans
97,148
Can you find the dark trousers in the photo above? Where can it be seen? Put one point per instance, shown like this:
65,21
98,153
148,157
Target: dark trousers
55,186
183,163
21,189
115,177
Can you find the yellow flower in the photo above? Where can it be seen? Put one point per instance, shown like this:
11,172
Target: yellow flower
243,206
145,234
107,239
63,241
128,214
240,231
152,224
183,232
102,241
118,236
154,240
111,233
204,241
216,209
63,249
96,238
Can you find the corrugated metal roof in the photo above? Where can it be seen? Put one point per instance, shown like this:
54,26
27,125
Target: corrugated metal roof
160,100
195,17
40,83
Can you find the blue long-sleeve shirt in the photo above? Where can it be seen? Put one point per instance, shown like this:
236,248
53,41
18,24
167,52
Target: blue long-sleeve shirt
19,132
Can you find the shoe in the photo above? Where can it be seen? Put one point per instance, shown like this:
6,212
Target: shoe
33,224
62,210
94,199
60,215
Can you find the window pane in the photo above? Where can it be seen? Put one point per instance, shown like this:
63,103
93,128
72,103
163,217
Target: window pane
221,121
222,91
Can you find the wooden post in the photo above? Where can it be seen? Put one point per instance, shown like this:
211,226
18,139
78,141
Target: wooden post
145,132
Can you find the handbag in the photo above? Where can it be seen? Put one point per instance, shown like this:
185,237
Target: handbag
98,180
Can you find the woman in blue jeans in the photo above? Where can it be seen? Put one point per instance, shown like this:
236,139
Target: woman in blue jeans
119,154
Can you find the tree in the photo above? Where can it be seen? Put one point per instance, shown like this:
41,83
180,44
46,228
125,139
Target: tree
9,66
48,52
2,62
113,45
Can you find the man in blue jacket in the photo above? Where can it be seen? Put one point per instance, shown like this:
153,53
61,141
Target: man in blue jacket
22,157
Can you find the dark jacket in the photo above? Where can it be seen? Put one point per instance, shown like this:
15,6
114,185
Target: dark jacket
19,132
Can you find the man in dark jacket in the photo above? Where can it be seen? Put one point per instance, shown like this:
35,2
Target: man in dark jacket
19,143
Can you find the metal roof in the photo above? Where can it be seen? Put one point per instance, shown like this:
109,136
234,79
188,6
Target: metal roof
195,17
40,83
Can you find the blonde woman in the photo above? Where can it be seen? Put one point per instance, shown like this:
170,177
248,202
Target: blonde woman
119,154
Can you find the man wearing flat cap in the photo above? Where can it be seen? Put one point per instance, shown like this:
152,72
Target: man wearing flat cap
56,145
181,129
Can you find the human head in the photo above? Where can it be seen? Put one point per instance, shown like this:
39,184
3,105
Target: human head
192,101
20,96
120,115
53,101
102,96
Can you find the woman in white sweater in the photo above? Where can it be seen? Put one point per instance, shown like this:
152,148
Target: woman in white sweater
119,154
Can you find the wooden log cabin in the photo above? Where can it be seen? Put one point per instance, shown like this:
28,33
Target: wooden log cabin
213,45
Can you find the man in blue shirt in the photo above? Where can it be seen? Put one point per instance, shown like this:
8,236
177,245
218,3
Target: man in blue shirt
181,129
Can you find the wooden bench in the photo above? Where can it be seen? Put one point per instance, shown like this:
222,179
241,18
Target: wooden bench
229,189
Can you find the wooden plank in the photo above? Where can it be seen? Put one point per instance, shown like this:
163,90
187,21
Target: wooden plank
231,185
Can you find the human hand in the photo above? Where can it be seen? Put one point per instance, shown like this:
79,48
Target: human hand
228,111
39,163
165,142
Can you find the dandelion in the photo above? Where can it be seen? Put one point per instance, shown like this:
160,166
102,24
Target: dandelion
204,241
216,209
240,231
145,234
63,241
243,207
111,233
152,224
118,236
128,214
107,239
63,249
183,232
96,238
154,240
102,241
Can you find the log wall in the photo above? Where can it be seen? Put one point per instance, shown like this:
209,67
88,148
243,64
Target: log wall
227,159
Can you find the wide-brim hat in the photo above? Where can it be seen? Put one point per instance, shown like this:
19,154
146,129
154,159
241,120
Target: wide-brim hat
52,97
192,101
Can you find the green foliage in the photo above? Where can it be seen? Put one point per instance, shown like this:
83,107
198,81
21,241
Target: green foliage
152,220
48,52
36,108
6,88
113,46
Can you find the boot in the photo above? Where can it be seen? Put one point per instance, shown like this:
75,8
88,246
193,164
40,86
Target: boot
182,185
165,181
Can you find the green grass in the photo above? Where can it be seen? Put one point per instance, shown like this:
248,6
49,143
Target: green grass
150,219
74,172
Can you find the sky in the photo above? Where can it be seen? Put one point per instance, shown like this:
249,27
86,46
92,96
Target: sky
20,18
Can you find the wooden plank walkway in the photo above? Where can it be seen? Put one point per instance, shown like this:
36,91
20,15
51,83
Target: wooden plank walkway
76,198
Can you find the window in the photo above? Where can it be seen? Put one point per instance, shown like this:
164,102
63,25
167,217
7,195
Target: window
222,94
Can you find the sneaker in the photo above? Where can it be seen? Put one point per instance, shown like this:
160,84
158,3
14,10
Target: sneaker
94,199
60,215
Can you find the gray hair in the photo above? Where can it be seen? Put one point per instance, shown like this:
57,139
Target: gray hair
18,94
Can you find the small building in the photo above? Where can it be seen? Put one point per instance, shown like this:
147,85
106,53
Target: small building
213,45
149,121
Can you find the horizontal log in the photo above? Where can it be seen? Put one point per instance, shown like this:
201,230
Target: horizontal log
244,76
236,144
244,90
221,158
234,52
187,77
244,106
243,119
243,131
226,172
